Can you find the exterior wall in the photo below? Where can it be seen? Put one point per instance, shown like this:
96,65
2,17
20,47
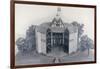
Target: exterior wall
73,42
43,43
38,42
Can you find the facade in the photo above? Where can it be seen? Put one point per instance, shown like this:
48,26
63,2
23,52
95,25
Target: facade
56,34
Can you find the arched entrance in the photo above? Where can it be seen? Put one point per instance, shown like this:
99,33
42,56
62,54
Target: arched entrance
56,42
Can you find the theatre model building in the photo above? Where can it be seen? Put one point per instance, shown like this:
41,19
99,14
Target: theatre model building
56,35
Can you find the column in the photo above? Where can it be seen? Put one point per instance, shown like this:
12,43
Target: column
51,40
63,38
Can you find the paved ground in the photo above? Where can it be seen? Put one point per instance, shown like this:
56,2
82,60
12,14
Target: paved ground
53,57
57,52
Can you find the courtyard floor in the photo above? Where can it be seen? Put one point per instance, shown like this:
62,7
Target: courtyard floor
53,57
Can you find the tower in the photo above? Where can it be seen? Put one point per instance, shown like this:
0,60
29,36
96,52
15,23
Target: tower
57,21
58,15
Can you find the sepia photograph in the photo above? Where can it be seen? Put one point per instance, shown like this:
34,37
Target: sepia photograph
53,34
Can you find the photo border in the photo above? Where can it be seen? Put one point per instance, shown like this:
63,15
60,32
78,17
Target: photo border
12,32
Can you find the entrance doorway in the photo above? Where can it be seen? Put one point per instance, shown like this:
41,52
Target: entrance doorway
57,41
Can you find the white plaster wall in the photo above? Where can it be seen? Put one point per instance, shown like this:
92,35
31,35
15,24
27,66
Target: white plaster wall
43,43
38,40
72,42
